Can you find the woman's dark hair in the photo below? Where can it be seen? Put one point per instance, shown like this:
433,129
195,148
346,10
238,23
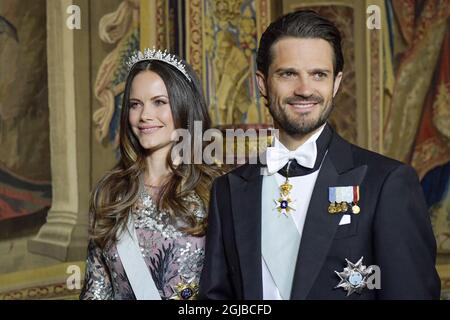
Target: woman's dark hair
186,99
117,192
299,24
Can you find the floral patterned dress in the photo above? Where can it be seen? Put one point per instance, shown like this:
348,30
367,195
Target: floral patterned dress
174,258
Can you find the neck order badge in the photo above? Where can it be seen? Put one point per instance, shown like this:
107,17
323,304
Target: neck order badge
284,204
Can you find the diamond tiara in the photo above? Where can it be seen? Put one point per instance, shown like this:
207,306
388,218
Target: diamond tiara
153,54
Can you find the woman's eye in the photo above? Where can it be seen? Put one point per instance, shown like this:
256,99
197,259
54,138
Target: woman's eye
134,105
160,102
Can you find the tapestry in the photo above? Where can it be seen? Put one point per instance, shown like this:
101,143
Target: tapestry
25,176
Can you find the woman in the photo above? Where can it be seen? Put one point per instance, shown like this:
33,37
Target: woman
148,213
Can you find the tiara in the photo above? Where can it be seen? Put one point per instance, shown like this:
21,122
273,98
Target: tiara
153,54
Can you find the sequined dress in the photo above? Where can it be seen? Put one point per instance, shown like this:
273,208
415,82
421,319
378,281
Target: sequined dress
174,258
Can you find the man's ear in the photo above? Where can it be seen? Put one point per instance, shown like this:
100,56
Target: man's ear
337,82
261,82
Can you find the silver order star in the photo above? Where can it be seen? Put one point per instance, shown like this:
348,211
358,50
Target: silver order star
354,277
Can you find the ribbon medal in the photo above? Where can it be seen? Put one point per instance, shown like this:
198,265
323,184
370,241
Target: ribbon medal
343,198
355,208
332,208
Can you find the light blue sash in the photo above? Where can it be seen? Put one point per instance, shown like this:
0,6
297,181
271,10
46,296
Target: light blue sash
137,271
280,239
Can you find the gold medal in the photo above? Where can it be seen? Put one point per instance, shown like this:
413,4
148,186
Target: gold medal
355,208
185,290
344,207
285,188
332,208
284,204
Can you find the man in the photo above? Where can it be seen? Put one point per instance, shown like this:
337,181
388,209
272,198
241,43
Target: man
326,219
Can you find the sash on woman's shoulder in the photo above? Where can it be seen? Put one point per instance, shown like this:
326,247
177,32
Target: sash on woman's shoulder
137,271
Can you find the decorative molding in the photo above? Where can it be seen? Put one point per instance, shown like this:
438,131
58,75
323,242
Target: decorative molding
375,70
194,36
154,24
161,24
263,18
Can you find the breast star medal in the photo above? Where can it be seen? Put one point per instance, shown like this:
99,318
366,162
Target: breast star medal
185,290
284,204
354,277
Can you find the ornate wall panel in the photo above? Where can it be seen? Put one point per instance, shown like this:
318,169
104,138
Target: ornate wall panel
221,45
342,13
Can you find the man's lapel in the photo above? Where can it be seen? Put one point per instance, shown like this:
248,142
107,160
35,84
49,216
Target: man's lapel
246,188
320,226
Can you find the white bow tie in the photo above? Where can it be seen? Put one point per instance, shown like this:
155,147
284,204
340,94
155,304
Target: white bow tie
279,155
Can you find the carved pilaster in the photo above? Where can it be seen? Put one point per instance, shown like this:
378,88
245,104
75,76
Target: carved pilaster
64,235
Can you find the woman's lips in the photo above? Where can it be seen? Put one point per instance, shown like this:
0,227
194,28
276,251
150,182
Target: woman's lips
149,129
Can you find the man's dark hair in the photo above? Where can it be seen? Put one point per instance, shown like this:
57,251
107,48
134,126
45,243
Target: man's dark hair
299,24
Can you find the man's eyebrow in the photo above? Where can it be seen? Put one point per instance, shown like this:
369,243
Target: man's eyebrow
293,70
315,70
287,69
